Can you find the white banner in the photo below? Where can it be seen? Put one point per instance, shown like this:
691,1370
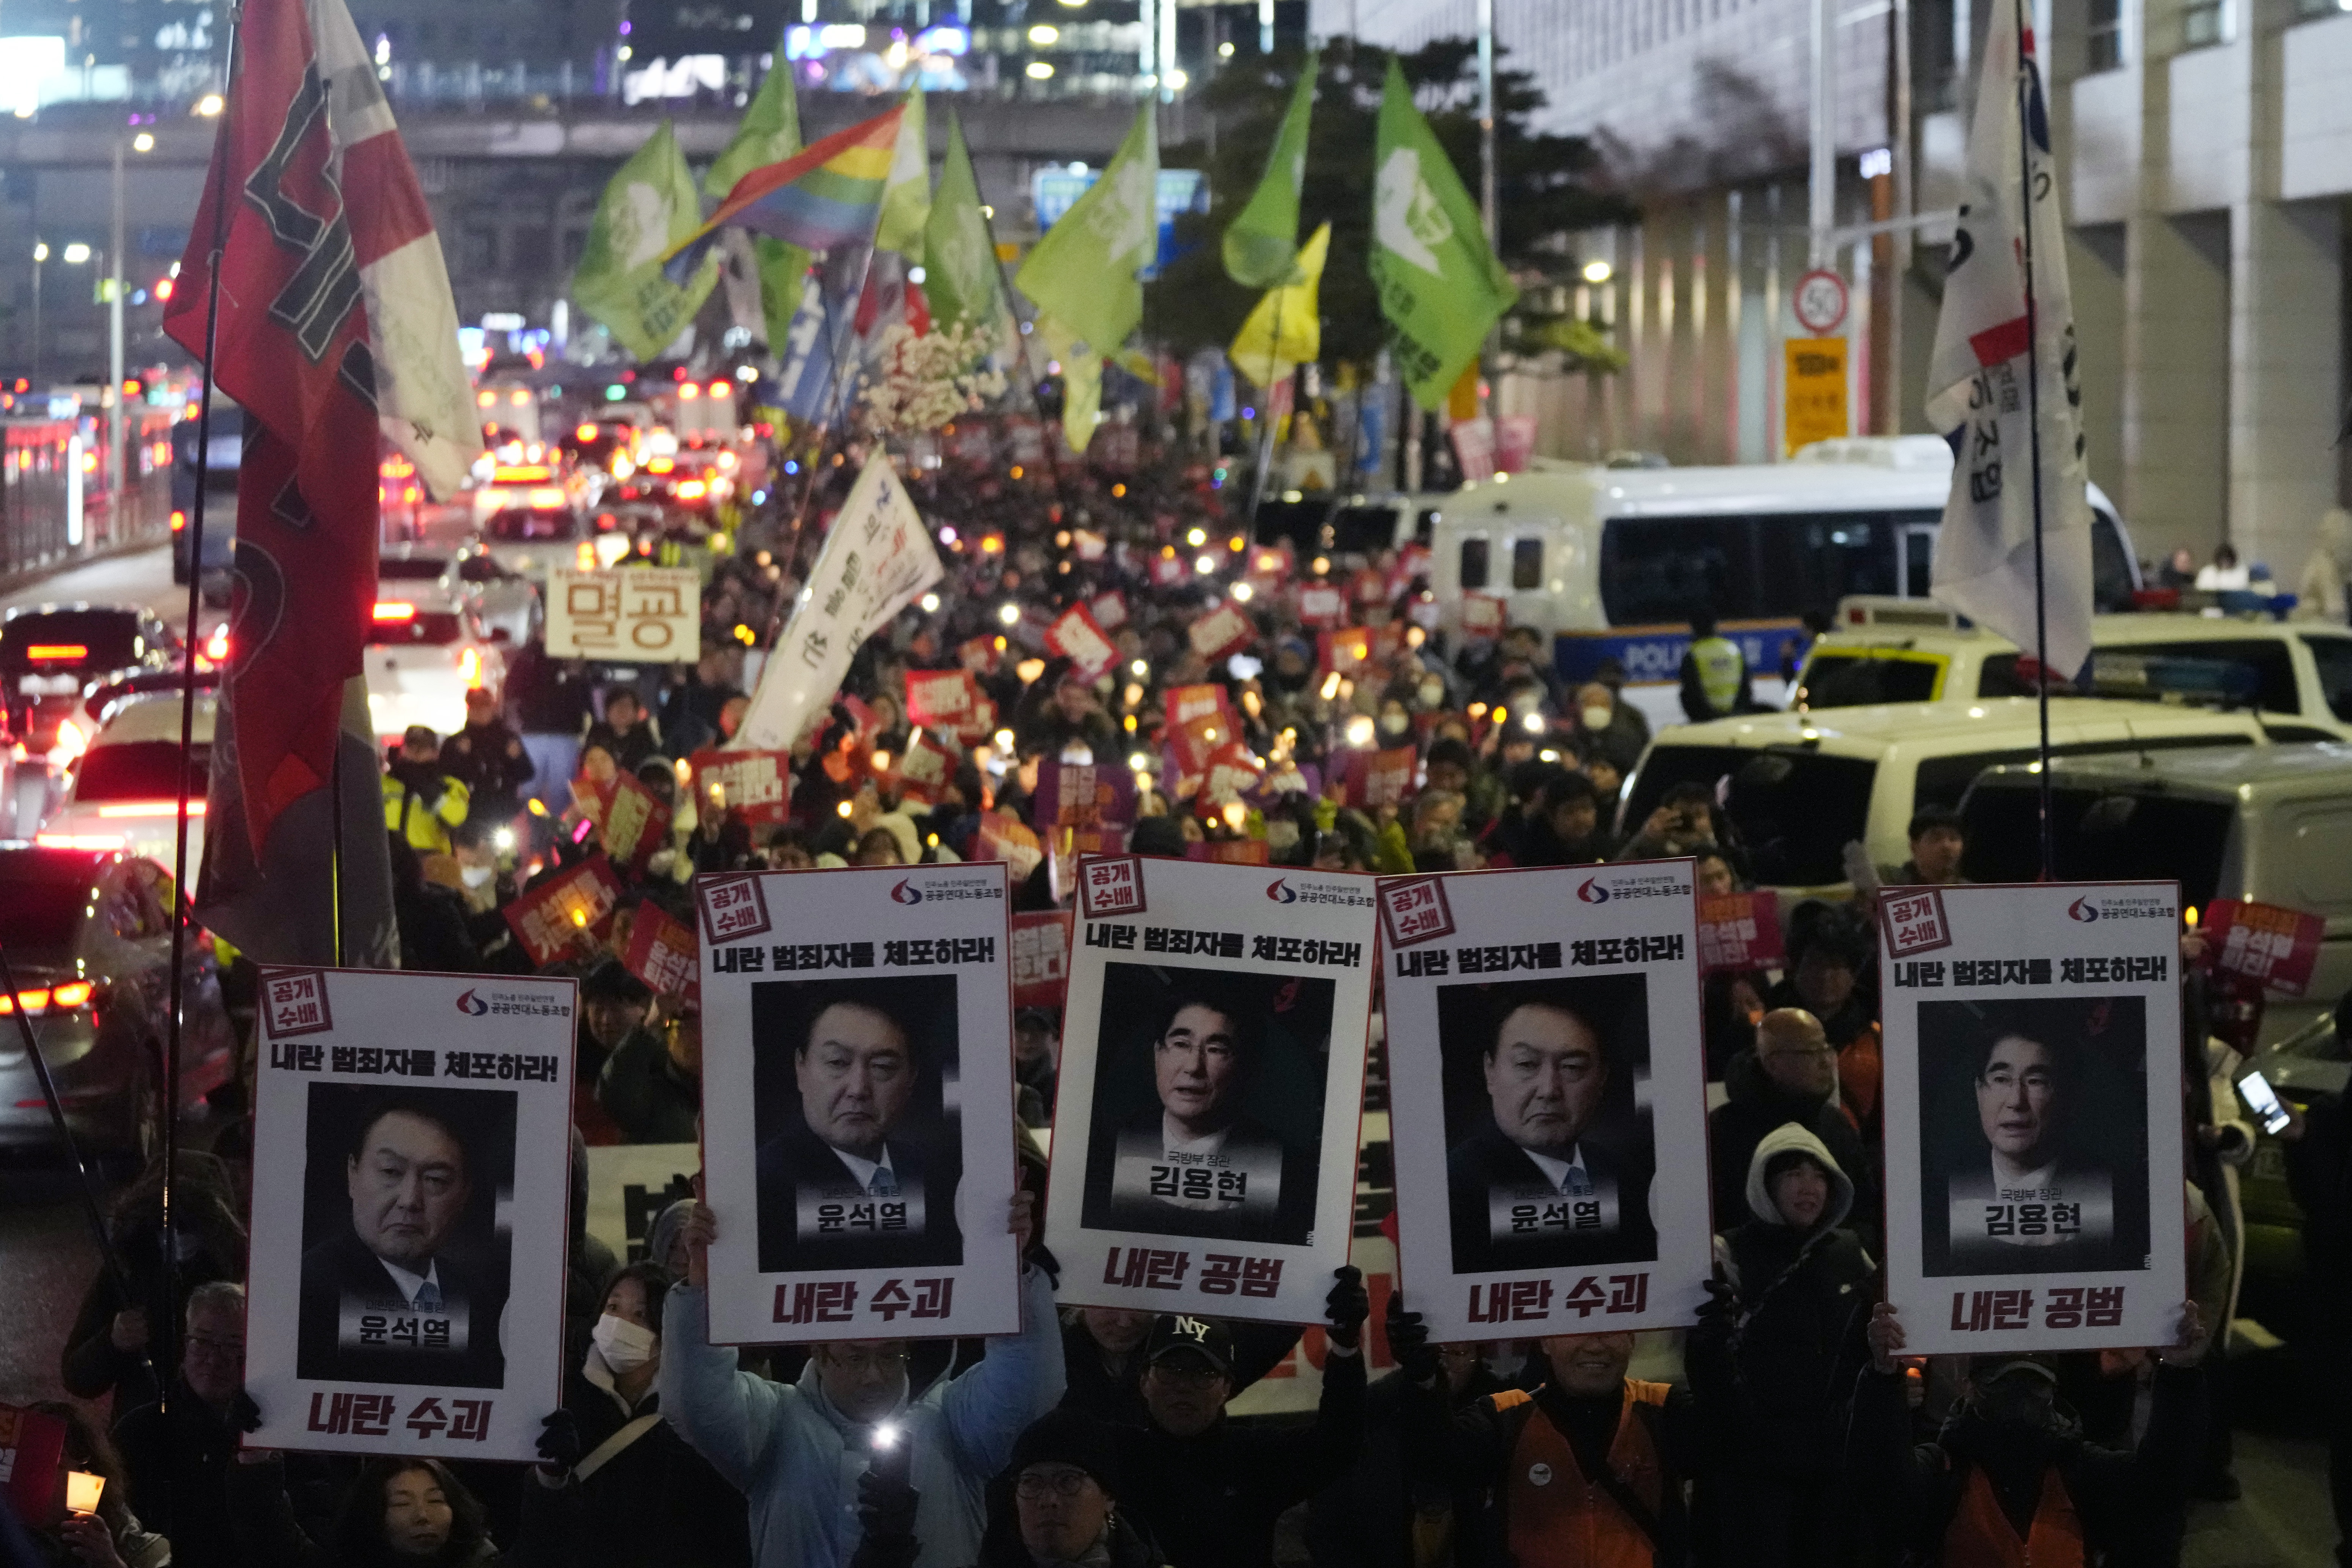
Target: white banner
877,557
2032,1115
633,614
629,1184
1544,1054
1212,1077
858,1103
409,1211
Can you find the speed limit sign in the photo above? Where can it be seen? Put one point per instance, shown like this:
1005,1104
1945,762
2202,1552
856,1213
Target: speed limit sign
1820,300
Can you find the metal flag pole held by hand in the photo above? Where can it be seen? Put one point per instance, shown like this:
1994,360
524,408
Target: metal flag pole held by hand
2028,90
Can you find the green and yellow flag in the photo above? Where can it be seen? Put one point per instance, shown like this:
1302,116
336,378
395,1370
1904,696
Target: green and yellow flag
906,194
1082,368
648,208
1284,329
962,279
1082,273
1441,287
770,134
1261,244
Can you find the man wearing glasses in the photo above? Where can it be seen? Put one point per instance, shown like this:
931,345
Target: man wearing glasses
177,1462
802,1453
1789,1076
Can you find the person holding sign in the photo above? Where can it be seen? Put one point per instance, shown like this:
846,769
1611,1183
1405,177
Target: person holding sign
2030,1192
1547,1072
856,1069
1191,1163
408,1177
2010,1467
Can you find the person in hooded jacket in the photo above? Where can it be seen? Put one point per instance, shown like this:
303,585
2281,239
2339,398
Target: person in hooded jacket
638,1496
1779,1366
1790,1076
1056,1504
2010,1478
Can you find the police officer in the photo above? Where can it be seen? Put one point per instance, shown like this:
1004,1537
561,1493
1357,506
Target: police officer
1714,672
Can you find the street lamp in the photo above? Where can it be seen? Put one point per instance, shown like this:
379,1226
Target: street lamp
75,254
1597,271
209,105
143,142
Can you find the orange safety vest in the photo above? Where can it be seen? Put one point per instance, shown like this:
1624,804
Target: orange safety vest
1981,1536
1559,1520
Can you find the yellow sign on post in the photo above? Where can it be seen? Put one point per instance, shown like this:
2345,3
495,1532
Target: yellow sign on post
1812,394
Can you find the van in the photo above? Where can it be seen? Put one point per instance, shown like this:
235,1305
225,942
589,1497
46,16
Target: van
1798,787
1610,562
2297,675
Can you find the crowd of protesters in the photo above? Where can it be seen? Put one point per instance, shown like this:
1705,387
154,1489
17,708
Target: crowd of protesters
1786,1428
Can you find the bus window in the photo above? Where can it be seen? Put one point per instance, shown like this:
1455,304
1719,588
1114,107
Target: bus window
1527,563
1658,568
1474,563
2111,567
1362,530
1424,523
1810,562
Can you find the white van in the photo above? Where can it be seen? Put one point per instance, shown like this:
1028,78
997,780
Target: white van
1611,560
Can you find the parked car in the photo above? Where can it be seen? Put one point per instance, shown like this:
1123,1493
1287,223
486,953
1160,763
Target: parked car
123,792
425,652
505,600
52,655
88,938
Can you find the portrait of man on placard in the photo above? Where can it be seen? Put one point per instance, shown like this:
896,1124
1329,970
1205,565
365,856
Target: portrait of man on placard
2033,1136
860,1152
404,1268
1208,1104
1552,1150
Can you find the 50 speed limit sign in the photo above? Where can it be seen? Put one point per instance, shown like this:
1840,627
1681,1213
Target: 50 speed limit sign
1820,300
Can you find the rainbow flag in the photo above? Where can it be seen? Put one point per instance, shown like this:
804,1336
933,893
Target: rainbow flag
828,195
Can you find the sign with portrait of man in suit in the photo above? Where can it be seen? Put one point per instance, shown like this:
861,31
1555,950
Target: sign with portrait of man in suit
858,1103
1544,1055
411,1211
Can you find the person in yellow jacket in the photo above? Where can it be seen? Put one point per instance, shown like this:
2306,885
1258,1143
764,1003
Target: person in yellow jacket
1714,673
420,803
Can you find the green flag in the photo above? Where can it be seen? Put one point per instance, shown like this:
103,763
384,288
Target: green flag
1083,271
1262,243
962,279
649,206
770,134
1440,286
1082,368
907,193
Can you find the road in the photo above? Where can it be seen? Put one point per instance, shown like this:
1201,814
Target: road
143,577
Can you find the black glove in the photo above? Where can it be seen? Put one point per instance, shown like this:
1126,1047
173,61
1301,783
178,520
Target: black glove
559,1441
886,1508
244,1415
1347,1306
1409,1341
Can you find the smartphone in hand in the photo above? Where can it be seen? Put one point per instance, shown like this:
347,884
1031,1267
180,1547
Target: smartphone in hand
2263,1102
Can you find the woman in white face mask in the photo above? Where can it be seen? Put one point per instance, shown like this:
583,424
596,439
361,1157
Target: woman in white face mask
629,1492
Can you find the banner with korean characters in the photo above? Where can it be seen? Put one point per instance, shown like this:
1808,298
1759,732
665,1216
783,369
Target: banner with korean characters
2263,944
1223,630
2032,1115
411,1211
1740,930
566,910
1548,1096
1211,1084
635,615
755,786
1079,638
1041,957
662,952
858,1103
629,1185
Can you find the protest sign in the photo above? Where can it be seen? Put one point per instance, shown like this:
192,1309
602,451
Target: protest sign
1230,851
1170,570
1485,614
1078,636
924,771
1041,957
980,724
1110,610
588,800
1740,930
2032,1115
1212,1080
877,558
662,952
410,1212
857,1108
1321,604
1233,772
2263,944
1091,546
32,1474
1186,704
755,786
559,913
635,822
1345,652
1083,795
1380,778
1004,837
1222,631
636,614
940,699
982,654
629,1184
1549,1097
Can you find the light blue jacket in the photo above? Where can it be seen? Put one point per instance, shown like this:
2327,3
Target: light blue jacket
797,1459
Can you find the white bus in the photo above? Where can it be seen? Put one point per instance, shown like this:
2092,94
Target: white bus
1610,562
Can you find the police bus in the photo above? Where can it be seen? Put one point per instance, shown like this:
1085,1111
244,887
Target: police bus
1609,563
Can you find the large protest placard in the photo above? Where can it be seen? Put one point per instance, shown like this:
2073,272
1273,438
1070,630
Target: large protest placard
755,786
858,1103
1544,1058
877,556
1211,1082
635,615
629,1185
412,1164
2032,1115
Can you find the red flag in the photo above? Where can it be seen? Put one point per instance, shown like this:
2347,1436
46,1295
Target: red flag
335,325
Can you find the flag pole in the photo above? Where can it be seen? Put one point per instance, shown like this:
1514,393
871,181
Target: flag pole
166,1333
1265,429
1019,348
2027,79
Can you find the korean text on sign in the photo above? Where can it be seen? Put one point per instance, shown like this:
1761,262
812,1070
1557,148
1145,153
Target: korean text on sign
637,614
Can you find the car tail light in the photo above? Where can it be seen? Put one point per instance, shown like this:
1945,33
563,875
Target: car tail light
99,841
469,665
72,742
152,809
179,520
394,612
548,497
62,998
216,644
584,558
661,465
722,389
585,433
692,489
688,391
68,650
